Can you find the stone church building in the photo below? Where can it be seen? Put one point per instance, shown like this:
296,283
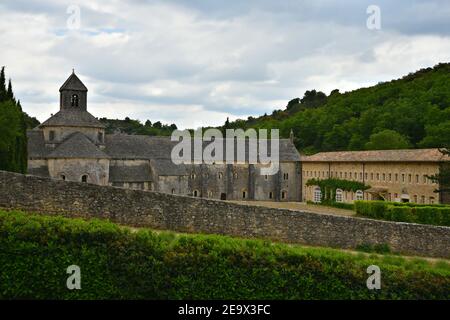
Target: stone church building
72,145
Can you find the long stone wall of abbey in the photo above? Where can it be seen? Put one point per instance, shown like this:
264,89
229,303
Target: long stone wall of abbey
198,215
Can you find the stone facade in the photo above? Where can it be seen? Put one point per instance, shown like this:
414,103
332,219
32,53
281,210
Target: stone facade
188,214
393,175
72,145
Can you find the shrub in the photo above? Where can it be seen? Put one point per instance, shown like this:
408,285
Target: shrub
119,264
341,205
404,212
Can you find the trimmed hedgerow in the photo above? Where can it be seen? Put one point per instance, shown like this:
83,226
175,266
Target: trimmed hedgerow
117,263
404,212
328,203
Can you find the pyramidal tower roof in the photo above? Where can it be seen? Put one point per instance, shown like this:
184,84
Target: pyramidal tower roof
73,83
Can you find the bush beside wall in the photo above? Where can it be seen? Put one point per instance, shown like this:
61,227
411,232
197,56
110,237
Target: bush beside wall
404,212
119,264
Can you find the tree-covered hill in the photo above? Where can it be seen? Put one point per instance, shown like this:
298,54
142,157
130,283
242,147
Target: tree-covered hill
131,126
411,112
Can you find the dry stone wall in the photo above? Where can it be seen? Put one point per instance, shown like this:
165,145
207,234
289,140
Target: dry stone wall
188,214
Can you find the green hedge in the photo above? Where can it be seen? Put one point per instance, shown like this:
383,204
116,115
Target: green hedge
405,212
117,263
341,205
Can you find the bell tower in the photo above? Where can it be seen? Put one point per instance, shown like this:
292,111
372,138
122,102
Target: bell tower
73,94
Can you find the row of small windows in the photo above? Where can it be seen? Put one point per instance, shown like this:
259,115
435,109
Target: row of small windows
244,194
359,195
389,177
235,176
339,196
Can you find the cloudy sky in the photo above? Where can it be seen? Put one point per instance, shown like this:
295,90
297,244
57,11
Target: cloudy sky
196,62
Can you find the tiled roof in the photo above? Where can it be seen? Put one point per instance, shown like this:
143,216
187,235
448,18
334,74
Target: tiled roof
405,155
36,144
73,83
77,145
124,146
72,118
165,167
139,173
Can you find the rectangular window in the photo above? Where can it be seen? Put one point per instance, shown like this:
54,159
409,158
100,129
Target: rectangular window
384,177
417,178
390,176
403,177
51,135
396,177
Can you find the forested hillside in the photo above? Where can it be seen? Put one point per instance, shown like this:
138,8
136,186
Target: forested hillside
13,125
411,112
131,126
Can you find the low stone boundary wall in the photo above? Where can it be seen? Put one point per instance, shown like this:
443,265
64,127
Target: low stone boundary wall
196,215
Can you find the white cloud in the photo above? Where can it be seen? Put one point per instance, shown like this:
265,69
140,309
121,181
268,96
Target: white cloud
195,63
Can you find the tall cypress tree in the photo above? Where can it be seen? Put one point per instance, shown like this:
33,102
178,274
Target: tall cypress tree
3,96
13,138
9,92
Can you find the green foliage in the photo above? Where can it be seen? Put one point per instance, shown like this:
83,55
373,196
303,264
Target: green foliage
13,138
328,187
416,107
443,177
116,263
433,214
387,140
329,203
382,248
130,126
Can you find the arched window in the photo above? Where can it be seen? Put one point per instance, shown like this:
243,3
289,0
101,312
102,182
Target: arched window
270,195
338,195
235,175
210,194
173,191
244,194
63,177
359,195
317,195
196,193
84,178
283,194
192,175
74,100
220,175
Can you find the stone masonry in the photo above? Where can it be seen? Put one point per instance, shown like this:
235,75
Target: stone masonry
198,215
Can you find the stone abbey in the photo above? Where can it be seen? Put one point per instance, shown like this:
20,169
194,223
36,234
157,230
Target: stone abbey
72,145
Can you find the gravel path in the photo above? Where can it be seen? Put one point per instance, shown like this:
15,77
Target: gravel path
300,206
